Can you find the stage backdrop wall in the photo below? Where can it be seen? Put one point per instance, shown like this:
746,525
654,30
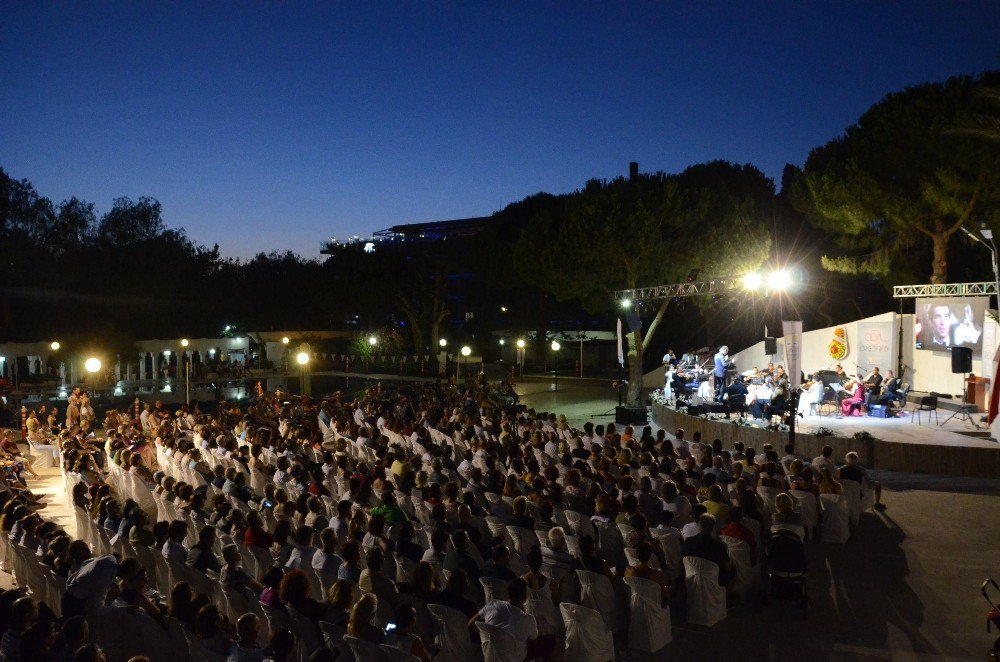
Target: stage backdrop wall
869,342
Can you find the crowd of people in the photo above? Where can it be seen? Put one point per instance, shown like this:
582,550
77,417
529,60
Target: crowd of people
299,530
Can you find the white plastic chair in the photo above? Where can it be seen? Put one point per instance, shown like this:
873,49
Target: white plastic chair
648,621
852,493
706,600
808,514
364,651
836,518
539,604
597,593
498,645
747,574
452,628
587,637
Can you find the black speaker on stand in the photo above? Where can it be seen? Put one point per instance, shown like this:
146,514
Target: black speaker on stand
961,364
770,346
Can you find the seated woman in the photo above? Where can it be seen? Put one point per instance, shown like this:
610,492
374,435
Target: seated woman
644,552
812,394
851,405
362,624
403,636
339,600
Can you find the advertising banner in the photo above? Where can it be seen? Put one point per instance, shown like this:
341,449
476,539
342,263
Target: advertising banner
792,330
876,344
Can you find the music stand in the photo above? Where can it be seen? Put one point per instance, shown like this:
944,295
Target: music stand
964,411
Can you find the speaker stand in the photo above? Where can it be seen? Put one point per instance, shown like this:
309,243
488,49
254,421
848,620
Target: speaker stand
964,412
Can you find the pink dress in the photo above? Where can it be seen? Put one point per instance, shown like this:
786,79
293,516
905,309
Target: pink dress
853,402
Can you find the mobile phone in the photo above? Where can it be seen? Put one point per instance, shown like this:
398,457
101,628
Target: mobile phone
389,627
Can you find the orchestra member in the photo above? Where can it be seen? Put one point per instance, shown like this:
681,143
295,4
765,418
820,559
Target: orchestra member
873,386
892,393
735,396
669,359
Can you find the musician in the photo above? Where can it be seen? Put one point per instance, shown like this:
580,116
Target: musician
779,396
689,359
722,363
769,370
873,385
669,359
892,393
735,396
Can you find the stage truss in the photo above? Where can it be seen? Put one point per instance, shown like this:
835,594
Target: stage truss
945,290
693,289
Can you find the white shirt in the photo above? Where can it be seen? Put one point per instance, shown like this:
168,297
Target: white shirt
301,555
514,621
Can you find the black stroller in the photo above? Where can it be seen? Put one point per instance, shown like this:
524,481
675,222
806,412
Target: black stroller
992,617
787,569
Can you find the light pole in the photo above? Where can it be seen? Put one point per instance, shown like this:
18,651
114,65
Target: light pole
555,365
93,366
466,352
302,358
520,356
987,234
187,371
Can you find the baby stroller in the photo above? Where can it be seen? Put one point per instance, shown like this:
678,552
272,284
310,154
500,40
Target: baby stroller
992,617
787,569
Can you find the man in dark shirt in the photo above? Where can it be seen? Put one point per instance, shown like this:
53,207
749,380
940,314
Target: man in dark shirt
705,546
892,392
201,557
453,595
499,567
737,392
459,557
873,386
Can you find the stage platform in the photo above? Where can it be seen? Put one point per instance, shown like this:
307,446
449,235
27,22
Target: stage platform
895,444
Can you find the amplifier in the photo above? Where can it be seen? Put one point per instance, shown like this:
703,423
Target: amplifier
631,416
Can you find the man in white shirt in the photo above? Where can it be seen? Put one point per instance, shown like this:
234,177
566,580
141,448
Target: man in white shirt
303,550
824,461
508,615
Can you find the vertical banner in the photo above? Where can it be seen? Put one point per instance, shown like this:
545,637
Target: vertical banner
876,345
792,330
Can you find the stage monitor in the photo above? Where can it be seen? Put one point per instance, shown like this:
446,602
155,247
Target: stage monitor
942,323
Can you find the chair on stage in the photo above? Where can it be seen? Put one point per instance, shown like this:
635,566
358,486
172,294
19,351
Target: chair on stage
929,404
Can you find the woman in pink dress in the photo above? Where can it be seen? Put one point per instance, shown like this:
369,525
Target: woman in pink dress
852,406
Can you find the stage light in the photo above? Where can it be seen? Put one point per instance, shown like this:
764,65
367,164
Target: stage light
55,346
502,342
443,342
285,340
302,358
752,281
625,303
93,364
466,350
555,345
520,343
372,340
184,342
987,232
779,280
166,352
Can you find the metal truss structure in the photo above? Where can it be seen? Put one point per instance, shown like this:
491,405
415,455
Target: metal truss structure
945,290
693,289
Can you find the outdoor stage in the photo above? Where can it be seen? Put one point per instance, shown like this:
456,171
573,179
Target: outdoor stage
896,444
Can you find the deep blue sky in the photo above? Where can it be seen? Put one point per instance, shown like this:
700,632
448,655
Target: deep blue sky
266,126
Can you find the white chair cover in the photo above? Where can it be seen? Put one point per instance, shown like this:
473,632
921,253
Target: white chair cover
747,575
498,645
306,640
706,600
493,589
807,508
452,628
333,637
540,605
124,632
836,518
648,621
670,541
596,592
587,637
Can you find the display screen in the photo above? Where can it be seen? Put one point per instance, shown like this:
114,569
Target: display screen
940,324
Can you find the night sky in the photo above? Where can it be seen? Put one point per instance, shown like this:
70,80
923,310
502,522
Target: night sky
266,126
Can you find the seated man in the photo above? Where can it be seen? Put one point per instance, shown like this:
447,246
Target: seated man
704,545
812,394
509,616
892,394
735,396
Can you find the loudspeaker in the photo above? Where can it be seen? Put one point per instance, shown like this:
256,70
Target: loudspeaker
630,415
770,345
961,360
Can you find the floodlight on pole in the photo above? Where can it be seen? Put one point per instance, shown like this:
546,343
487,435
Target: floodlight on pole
520,343
92,365
626,303
302,358
556,346
752,281
466,351
55,346
285,340
443,342
184,342
779,281
372,340
503,342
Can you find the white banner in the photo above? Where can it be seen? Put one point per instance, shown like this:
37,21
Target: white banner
875,344
792,330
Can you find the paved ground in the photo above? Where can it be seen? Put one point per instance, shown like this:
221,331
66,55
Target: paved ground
905,588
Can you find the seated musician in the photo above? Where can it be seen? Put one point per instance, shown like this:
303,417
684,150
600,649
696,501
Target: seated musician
779,396
873,386
734,396
893,392
813,391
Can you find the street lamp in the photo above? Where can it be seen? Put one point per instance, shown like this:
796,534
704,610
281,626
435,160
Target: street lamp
466,352
93,366
502,342
779,281
443,342
184,342
55,346
302,358
626,303
752,281
520,343
372,340
555,373
285,340
987,234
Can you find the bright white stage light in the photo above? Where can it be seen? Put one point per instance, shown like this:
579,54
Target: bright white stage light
302,358
779,280
752,281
